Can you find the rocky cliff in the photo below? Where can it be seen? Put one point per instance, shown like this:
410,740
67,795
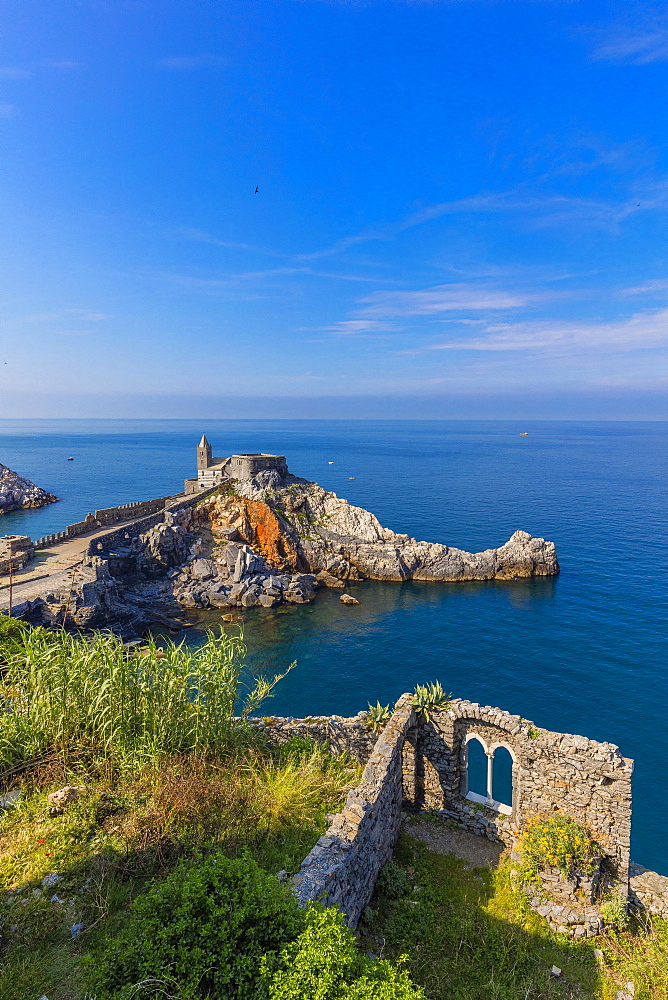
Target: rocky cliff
271,539
261,542
17,493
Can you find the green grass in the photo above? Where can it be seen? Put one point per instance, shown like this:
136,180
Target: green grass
129,828
70,694
471,935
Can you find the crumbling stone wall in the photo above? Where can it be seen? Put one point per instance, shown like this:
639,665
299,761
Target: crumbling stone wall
338,734
15,552
343,867
552,772
649,890
421,763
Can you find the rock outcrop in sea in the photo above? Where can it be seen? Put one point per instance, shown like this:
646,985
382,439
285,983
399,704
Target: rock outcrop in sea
263,541
296,525
17,493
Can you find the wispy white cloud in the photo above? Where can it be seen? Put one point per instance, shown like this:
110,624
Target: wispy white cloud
258,279
361,327
647,329
639,47
534,210
580,154
13,73
544,209
458,296
200,236
656,285
72,314
61,64
344,244
201,61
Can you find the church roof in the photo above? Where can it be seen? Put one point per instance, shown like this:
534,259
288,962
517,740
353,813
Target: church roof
203,443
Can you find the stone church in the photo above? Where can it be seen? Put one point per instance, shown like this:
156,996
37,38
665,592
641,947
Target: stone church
213,471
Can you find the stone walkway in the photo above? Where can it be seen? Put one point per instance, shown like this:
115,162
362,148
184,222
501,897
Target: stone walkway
51,568
438,836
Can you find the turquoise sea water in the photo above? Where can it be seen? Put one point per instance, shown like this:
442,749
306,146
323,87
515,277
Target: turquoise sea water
586,652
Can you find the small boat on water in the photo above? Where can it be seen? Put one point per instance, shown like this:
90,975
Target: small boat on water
524,434
70,459
351,477
330,463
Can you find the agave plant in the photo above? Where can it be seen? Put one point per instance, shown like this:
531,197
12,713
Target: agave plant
429,698
378,716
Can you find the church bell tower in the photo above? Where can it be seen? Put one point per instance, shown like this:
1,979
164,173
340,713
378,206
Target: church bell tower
203,454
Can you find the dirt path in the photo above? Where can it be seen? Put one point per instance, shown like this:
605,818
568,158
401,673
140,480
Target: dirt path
438,836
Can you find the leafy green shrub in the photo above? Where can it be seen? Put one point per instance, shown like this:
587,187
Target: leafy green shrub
429,698
614,911
12,636
325,964
556,842
393,881
378,716
204,929
295,748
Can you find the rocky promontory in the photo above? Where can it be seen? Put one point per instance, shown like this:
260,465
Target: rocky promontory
17,493
260,542
295,524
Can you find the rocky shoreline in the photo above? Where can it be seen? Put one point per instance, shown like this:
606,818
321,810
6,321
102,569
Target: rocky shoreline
17,493
260,542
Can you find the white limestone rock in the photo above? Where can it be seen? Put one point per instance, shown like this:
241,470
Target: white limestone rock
17,493
337,539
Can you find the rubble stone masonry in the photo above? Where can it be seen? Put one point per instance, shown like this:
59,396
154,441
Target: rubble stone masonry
421,764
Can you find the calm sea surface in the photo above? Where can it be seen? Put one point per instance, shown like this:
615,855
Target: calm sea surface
586,652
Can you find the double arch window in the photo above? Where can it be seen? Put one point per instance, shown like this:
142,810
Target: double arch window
489,774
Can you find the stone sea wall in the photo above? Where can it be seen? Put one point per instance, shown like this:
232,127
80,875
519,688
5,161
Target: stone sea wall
109,542
102,518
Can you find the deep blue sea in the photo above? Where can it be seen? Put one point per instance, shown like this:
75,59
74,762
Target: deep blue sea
586,652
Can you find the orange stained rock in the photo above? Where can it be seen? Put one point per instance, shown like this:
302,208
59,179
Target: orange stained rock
257,524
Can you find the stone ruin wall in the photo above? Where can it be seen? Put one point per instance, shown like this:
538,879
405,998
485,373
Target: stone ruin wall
552,773
15,552
422,764
341,870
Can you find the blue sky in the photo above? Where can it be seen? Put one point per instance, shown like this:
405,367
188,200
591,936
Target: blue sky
461,212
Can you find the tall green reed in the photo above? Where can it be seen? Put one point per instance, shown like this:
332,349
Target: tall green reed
65,693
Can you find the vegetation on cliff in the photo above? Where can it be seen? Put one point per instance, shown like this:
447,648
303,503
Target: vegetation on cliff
470,934
166,855
66,694
165,787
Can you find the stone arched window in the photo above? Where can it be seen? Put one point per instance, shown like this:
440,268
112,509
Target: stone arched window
476,767
495,790
502,775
